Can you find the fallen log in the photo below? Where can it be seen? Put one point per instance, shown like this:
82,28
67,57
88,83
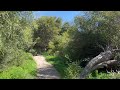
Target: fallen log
106,64
102,57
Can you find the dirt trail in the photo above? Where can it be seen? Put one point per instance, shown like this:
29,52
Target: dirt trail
45,69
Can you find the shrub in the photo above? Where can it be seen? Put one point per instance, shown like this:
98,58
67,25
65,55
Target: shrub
27,70
29,65
57,62
15,36
101,75
13,73
73,70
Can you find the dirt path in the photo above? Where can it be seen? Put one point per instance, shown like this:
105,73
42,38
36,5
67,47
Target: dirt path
45,69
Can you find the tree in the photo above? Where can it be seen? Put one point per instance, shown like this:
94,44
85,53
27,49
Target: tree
48,29
94,32
104,25
12,37
65,27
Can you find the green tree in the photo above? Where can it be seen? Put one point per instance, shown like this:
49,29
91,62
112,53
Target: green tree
60,42
95,31
12,37
48,28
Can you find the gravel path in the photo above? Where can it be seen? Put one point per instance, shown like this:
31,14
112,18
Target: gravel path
44,69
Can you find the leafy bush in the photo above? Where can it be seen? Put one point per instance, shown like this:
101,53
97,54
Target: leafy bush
73,70
48,28
27,70
15,36
96,75
101,75
29,65
66,69
13,73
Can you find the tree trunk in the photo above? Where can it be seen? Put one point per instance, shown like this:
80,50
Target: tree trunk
102,57
106,64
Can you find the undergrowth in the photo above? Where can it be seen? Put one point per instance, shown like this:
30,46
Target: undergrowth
27,70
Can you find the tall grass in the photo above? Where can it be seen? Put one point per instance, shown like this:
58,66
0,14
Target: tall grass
27,70
65,69
103,75
58,63
73,71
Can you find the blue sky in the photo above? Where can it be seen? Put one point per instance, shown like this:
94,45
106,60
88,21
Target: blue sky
65,15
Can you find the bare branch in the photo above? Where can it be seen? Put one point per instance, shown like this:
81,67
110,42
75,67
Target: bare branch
105,64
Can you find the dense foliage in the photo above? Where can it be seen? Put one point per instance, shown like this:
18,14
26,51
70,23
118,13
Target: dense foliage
95,32
68,43
26,70
15,37
48,29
